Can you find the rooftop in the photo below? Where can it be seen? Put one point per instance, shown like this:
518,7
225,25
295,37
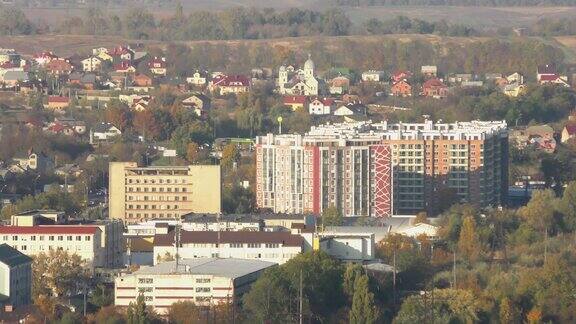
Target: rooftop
12,257
186,237
49,229
230,268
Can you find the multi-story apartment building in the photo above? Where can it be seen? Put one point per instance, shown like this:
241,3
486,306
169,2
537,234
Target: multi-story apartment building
140,193
204,281
99,243
380,169
15,277
277,247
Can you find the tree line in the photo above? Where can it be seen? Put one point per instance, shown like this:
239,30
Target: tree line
473,3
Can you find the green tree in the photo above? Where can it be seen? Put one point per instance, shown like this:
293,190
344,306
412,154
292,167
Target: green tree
353,271
57,273
332,216
137,312
102,296
363,310
539,212
567,205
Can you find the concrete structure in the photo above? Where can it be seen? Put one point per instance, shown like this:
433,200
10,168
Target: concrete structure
15,277
205,282
346,246
380,169
140,193
277,247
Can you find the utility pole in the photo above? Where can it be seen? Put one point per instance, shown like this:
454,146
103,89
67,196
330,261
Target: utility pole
300,301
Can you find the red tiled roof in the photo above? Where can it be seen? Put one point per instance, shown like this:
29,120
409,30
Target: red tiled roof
284,238
122,66
433,83
549,77
58,99
48,229
56,128
232,80
8,65
289,100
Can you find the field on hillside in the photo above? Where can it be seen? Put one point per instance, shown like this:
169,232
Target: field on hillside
473,16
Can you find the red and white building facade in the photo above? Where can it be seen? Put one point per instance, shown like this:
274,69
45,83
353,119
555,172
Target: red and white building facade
380,169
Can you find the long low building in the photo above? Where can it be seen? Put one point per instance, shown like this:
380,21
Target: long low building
204,281
277,247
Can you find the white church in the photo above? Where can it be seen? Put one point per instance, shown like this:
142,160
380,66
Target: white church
298,82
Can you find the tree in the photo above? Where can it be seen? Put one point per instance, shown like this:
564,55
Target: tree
107,315
539,212
353,271
57,273
421,217
363,308
567,205
468,244
508,312
46,305
183,312
102,296
230,155
332,216
448,306
70,318
137,312
534,316
192,152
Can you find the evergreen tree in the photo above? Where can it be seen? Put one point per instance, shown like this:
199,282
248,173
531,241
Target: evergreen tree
331,216
353,271
137,312
363,309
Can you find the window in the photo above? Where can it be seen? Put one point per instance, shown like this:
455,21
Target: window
78,238
51,238
272,245
202,289
69,238
236,245
14,238
60,238
203,280
148,298
87,238
5,237
33,238
145,289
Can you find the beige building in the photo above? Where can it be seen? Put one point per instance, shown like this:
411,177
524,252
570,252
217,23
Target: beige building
140,193
205,281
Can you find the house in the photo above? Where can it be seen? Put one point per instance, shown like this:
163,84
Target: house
470,84
44,58
401,75
543,144
59,67
124,67
16,274
568,132
140,103
429,71
104,56
492,76
198,102
514,89
401,89
547,71
460,77
295,102
234,84
351,109
554,79
98,50
373,76
197,79
157,66
13,78
434,88
419,229
122,53
91,64
321,106
523,137
515,78
298,82
87,81
142,80
104,132
38,162
69,170
58,102
339,85
78,126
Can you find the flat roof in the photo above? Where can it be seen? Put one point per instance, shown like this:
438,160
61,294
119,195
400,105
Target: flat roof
229,267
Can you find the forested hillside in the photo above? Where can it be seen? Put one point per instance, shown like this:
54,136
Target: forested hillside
483,3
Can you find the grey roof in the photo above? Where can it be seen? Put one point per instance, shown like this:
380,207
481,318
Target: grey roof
12,257
16,75
212,218
102,127
230,268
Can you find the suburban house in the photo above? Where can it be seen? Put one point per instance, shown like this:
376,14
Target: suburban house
515,78
158,66
142,80
460,77
124,67
401,89
198,102
351,109
293,81
429,71
373,76
91,64
58,102
59,67
401,75
568,132
321,106
234,84
31,160
122,53
104,132
554,79
514,90
87,81
197,79
295,102
339,85
78,126
546,71
434,88
13,78
44,58
524,137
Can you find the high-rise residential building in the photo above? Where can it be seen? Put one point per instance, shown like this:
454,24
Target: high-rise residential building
140,193
380,169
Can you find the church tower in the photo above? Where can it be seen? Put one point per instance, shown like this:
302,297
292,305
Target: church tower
309,68
282,78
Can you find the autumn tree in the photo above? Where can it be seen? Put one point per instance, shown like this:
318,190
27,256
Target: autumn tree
107,315
184,312
421,217
57,273
332,216
230,155
539,213
534,316
508,312
363,308
468,244
145,124
192,152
